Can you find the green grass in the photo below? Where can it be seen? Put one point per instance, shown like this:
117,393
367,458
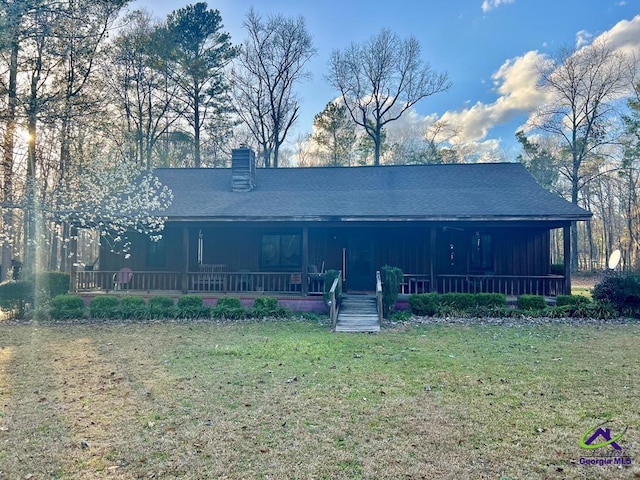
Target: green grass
585,291
582,284
292,400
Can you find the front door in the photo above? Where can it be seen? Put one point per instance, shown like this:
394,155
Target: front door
360,264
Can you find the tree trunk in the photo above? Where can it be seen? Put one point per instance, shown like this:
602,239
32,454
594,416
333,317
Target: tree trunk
592,248
7,159
30,212
196,128
266,154
64,256
574,225
574,247
632,246
54,254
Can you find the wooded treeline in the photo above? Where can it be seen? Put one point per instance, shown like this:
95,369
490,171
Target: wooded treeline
92,95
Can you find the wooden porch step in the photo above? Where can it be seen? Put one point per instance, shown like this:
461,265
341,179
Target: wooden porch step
361,329
358,313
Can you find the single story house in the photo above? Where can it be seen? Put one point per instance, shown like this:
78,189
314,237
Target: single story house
450,228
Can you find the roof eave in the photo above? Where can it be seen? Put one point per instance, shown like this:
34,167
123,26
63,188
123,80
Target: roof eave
378,218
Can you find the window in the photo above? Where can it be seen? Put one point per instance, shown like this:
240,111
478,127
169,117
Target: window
156,254
280,251
481,253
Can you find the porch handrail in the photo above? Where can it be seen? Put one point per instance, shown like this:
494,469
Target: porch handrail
107,280
245,282
551,285
335,292
415,283
379,296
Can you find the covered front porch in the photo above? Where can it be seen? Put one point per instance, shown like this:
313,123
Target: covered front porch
291,258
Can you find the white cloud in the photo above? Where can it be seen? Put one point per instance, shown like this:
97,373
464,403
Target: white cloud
410,124
624,36
491,4
486,151
517,95
583,38
516,82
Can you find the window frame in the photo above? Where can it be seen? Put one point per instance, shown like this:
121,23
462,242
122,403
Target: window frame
283,257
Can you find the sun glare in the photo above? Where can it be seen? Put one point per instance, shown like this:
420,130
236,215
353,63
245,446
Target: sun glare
24,135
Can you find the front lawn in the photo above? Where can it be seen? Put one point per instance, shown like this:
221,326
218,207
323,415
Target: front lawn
289,399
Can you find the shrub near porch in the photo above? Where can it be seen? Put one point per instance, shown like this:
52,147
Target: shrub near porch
430,304
483,305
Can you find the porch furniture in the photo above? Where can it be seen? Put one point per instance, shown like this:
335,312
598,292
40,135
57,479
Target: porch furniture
315,278
122,278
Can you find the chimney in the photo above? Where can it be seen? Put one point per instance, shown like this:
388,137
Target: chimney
243,169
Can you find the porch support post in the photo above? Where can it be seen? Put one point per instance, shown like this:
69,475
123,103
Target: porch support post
305,260
185,262
566,236
432,254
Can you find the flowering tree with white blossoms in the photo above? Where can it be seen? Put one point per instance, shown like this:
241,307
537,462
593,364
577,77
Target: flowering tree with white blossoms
114,200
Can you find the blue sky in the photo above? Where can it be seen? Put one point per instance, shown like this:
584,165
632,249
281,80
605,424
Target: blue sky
487,47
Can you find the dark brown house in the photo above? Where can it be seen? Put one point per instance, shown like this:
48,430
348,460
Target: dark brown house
463,228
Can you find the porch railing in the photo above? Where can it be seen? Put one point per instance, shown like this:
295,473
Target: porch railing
379,297
198,282
112,280
335,292
415,283
291,283
239,282
549,285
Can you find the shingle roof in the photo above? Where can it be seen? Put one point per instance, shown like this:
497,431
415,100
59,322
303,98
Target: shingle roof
498,191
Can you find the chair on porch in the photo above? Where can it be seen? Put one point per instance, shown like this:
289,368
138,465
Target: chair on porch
122,278
315,277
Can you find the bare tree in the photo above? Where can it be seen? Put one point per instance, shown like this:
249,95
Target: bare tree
39,97
141,88
272,60
379,75
81,30
630,175
9,43
52,46
583,86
